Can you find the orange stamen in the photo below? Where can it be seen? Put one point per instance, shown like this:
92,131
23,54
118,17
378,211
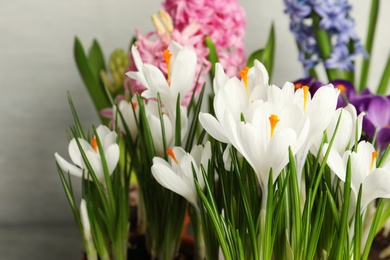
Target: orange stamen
134,105
244,76
305,92
167,57
342,88
170,153
298,86
273,119
94,145
373,157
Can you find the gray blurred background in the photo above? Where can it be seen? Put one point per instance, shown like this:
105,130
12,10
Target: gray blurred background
36,71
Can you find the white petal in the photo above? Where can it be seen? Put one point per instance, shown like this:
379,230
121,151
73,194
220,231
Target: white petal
335,162
376,185
261,73
136,57
67,167
213,127
138,76
277,150
155,78
74,151
183,72
112,157
170,180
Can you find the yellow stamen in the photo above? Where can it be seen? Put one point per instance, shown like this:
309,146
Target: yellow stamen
94,145
162,21
373,157
167,57
305,91
167,20
342,88
273,119
170,153
244,76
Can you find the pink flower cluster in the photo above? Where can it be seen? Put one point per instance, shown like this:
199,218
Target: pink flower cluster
223,20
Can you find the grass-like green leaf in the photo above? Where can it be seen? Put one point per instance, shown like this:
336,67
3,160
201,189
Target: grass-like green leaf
94,86
212,56
384,81
369,43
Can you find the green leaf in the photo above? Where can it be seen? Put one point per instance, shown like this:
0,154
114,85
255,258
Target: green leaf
178,122
269,52
96,60
256,55
358,226
369,43
384,82
93,85
213,55
324,45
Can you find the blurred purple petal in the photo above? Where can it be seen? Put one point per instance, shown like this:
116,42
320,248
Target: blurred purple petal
379,111
383,138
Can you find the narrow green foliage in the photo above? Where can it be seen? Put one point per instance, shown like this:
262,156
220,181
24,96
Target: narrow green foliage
195,121
89,68
369,43
212,56
178,122
373,229
358,226
384,81
342,247
324,45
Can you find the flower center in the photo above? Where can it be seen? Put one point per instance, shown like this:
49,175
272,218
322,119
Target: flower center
172,155
298,86
373,157
244,76
273,119
167,58
94,145
342,88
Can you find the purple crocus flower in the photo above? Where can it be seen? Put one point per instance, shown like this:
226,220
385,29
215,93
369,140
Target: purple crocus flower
377,118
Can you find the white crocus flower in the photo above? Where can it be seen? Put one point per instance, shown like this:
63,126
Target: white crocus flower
177,175
111,153
232,98
181,66
152,115
265,140
128,110
375,181
349,129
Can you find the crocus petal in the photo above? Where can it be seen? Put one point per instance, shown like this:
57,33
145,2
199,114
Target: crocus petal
383,138
375,185
170,180
213,127
68,167
183,72
335,162
379,111
155,78
74,151
112,157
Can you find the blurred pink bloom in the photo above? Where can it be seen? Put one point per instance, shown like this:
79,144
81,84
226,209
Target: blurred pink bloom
223,20
151,48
